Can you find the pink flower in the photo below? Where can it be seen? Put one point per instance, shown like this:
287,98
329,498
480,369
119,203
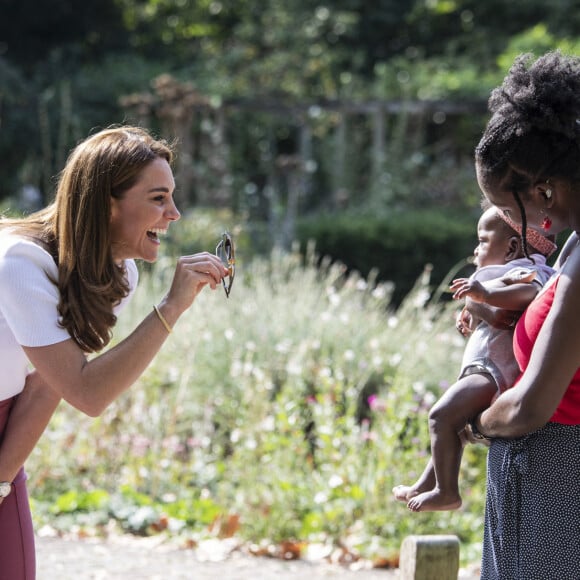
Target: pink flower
376,404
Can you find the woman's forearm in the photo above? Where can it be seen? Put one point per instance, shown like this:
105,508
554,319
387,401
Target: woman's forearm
110,374
28,419
504,419
91,385
525,407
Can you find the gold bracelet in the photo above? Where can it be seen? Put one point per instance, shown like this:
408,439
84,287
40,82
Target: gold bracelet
162,318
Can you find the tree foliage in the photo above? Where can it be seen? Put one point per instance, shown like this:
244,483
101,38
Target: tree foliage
64,64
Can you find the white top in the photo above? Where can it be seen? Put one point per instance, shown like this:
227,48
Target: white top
490,348
29,306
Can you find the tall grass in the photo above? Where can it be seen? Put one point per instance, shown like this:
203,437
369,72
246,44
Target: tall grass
291,409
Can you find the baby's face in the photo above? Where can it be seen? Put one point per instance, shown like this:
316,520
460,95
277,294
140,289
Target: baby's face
493,246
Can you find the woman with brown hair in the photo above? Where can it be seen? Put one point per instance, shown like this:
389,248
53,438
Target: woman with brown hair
65,273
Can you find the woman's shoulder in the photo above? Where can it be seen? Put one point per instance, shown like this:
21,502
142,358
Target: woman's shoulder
569,245
11,240
18,251
570,267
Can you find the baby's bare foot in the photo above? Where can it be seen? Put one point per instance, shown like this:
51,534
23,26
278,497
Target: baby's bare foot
405,492
434,500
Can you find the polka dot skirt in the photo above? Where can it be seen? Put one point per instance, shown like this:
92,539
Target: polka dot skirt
532,519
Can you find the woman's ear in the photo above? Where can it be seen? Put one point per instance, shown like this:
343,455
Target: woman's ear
514,249
546,192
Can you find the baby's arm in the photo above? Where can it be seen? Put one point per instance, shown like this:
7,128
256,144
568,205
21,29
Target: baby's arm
512,292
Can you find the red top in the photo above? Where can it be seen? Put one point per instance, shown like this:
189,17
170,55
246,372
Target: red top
526,333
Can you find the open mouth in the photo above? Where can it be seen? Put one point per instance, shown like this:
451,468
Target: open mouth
155,233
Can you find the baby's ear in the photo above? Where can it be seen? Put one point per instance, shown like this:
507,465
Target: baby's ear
514,249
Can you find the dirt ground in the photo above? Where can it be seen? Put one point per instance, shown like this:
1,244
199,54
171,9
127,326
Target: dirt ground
152,559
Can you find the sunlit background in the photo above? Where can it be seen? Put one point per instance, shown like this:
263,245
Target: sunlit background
335,142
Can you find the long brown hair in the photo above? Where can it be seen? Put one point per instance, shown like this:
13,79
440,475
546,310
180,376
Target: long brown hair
75,228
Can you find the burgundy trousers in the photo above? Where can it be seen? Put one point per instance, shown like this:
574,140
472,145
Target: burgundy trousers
17,553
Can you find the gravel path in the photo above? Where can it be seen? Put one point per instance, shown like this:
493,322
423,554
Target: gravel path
150,559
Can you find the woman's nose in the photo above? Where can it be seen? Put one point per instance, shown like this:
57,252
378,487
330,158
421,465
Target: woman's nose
173,213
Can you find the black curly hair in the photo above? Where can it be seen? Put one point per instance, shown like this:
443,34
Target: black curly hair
534,132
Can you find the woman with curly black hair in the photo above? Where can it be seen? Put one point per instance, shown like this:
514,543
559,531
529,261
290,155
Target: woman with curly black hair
528,166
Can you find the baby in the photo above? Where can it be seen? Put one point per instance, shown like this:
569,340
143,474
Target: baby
505,278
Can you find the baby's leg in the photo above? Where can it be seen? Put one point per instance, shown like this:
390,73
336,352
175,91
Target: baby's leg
425,482
466,398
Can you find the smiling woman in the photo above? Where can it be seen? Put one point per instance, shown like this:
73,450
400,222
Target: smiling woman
143,214
65,274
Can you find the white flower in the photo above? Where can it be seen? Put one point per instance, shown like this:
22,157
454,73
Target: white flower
380,292
429,399
236,368
421,298
419,388
283,346
268,424
335,481
294,369
320,497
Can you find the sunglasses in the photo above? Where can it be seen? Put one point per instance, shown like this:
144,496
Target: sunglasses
225,251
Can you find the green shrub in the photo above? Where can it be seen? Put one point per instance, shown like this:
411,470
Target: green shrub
397,246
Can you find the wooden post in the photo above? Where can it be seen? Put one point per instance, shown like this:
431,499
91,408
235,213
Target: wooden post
429,558
339,177
378,153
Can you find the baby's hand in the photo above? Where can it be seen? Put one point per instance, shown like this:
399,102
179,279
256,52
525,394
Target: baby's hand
464,322
466,436
462,287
